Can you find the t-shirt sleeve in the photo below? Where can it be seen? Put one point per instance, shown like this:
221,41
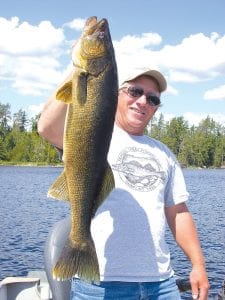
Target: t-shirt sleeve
176,191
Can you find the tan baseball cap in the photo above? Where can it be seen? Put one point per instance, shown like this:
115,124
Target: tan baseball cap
152,73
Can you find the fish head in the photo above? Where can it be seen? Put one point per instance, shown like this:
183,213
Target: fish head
94,45
95,38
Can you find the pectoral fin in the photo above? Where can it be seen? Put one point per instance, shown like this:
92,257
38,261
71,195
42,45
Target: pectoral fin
64,93
80,91
108,185
59,190
75,88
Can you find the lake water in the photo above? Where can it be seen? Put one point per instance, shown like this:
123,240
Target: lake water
26,216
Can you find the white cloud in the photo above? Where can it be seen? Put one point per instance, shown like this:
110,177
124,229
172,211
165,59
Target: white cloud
35,109
39,83
136,52
198,57
34,75
172,90
76,24
179,76
196,118
167,117
30,87
215,94
31,57
24,39
130,44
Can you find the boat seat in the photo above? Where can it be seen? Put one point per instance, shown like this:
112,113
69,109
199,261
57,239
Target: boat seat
54,244
20,288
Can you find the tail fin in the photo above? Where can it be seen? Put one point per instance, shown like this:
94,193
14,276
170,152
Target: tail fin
78,259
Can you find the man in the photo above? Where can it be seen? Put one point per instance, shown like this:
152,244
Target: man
129,227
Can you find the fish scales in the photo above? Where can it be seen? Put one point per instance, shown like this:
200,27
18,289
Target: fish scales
87,178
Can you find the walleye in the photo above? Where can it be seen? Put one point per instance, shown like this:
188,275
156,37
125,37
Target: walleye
87,178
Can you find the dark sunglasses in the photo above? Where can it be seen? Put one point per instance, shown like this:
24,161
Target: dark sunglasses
136,92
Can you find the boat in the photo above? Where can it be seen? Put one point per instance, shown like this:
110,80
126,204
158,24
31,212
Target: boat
221,294
40,285
34,286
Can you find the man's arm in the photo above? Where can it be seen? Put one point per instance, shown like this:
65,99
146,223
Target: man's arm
52,119
183,228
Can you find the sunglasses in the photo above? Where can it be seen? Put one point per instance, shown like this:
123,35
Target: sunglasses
136,92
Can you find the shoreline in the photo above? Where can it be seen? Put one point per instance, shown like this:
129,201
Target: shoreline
13,164
29,164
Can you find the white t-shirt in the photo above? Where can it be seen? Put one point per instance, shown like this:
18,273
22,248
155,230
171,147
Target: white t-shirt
129,227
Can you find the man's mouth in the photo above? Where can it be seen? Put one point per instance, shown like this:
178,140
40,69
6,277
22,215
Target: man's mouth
137,111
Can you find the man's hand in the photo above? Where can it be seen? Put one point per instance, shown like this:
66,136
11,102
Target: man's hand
199,282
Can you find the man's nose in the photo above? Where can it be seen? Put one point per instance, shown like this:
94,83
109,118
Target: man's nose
142,100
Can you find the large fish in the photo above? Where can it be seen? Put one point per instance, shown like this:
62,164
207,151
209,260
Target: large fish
87,177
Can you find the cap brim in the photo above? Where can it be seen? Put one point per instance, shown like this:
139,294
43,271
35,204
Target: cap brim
152,73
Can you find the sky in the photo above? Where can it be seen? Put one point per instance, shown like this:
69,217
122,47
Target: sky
184,39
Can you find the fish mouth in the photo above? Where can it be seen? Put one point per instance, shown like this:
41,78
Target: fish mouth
91,21
93,26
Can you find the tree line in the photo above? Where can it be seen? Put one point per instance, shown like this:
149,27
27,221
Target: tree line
20,142
194,146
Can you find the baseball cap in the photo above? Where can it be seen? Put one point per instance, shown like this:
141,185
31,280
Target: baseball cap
152,73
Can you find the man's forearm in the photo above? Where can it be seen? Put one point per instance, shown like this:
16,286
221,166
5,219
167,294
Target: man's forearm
52,119
51,122
186,237
183,228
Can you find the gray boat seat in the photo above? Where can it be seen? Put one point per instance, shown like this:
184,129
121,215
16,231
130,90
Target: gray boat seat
54,244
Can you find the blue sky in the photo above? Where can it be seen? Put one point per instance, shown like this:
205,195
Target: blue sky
184,39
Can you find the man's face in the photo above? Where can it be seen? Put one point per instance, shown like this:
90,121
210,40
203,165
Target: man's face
134,113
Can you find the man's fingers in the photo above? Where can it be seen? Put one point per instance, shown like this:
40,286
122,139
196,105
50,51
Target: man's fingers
200,294
194,289
203,294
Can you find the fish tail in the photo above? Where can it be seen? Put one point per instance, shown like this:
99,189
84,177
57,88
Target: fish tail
80,260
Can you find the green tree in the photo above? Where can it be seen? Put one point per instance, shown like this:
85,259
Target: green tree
34,122
175,132
3,150
200,146
10,141
158,127
5,118
187,155
43,152
18,146
219,155
20,121
207,131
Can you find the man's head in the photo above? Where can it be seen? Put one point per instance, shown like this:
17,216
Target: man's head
153,74
139,99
